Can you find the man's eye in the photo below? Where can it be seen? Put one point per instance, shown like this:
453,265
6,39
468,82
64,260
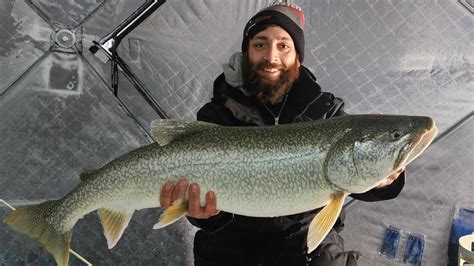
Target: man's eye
258,45
284,46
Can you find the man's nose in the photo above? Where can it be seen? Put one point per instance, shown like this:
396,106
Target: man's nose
272,54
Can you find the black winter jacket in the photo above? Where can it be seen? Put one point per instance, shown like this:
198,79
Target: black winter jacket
229,239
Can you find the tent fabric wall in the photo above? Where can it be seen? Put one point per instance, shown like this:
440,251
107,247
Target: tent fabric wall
404,57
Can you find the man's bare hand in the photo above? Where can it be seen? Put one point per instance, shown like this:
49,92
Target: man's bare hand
389,179
171,192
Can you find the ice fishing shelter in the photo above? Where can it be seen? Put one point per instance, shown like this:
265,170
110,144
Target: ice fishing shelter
80,82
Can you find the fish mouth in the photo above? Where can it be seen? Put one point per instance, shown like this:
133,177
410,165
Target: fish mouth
418,145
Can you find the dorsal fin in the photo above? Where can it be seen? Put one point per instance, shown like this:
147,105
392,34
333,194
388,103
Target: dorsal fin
86,174
166,130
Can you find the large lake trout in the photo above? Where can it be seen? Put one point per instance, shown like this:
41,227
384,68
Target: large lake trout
254,171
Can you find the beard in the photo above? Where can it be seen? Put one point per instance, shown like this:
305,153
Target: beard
267,90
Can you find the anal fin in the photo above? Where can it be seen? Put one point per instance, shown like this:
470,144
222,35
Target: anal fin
114,223
176,211
324,221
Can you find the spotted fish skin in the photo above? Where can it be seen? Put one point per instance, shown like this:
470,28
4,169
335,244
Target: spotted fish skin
254,171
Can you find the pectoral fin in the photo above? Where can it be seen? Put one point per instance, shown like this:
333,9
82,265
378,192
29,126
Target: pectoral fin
324,221
173,213
114,223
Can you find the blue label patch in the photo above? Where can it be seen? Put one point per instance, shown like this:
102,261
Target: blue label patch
414,249
390,242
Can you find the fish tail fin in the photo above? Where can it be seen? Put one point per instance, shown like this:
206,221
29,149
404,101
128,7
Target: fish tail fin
32,221
176,211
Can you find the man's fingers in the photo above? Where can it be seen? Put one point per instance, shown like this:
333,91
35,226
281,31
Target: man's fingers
179,190
165,195
194,207
211,202
171,192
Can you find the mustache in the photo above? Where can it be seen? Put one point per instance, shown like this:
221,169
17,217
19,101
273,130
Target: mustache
263,65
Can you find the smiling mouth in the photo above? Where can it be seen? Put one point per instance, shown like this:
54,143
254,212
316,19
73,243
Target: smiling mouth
270,73
271,70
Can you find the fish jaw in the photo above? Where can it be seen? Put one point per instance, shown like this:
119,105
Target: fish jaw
420,145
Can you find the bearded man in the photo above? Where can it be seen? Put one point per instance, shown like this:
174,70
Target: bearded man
267,85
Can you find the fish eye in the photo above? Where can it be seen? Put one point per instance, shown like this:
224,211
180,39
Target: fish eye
396,134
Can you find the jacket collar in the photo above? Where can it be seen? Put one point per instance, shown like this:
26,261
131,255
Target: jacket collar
303,92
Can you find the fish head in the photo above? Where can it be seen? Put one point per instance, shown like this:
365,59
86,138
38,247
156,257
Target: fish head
376,146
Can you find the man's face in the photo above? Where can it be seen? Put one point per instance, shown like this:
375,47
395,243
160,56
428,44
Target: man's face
273,63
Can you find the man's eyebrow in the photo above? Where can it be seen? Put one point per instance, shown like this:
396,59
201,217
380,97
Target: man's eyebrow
280,38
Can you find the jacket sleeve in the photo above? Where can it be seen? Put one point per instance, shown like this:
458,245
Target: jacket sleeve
389,192
216,113
210,112
213,224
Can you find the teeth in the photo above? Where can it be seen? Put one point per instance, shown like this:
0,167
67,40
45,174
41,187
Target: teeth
271,70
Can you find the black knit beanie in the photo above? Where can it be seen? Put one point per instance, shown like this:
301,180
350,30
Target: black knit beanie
289,17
